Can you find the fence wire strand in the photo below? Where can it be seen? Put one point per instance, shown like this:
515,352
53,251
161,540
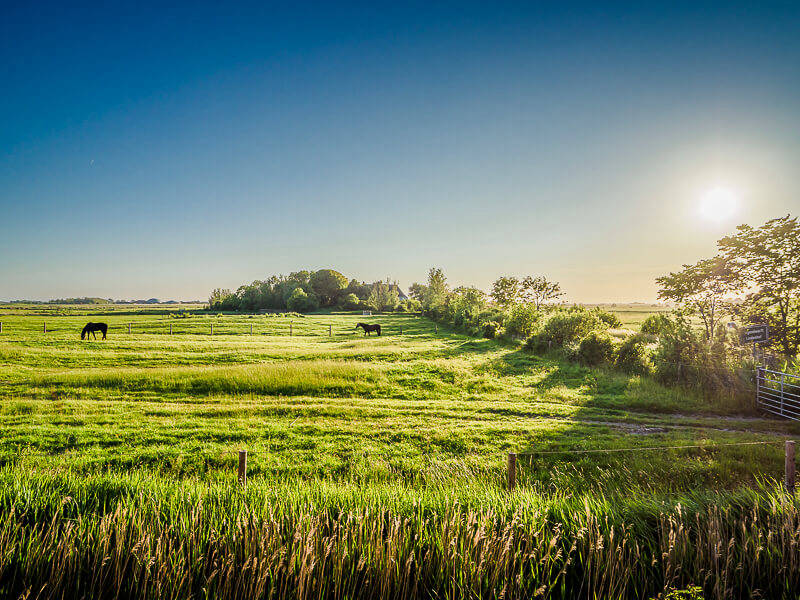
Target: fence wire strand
608,450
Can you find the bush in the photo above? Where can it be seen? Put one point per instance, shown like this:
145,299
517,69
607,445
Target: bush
596,349
684,357
568,326
631,356
522,320
492,329
610,320
492,314
657,325
411,305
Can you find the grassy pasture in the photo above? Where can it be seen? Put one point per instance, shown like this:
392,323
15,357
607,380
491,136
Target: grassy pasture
143,428
395,407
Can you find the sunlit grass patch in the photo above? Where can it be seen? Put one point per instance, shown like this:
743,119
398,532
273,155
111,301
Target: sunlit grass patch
322,377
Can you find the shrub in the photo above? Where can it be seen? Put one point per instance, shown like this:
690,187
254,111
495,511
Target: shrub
492,314
492,329
610,320
538,343
684,357
412,305
522,320
596,349
657,325
568,326
631,356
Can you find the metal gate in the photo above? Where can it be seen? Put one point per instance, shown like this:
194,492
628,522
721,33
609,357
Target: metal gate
778,393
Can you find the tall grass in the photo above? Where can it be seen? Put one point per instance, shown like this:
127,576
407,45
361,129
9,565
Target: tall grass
119,537
325,377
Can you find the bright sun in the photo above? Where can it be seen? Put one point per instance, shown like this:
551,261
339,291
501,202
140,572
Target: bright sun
718,204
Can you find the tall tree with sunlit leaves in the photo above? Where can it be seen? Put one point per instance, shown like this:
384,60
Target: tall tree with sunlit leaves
539,290
506,291
702,289
768,259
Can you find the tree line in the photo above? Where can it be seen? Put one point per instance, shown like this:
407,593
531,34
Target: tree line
306,291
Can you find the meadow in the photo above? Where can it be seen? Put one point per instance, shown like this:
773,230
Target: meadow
370,459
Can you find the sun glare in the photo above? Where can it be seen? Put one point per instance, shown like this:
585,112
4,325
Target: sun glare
718,204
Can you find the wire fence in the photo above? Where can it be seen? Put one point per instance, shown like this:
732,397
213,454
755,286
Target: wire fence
210,328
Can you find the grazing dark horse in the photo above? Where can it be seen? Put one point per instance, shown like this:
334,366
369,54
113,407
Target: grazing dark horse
369,328
93,328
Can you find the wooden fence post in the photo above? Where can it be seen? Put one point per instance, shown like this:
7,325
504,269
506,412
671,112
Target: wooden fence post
129,328
243,467
170,328
401,330
330,330
212,329
512,471
251,329
44,327
436,328
1,327
790,466
290,328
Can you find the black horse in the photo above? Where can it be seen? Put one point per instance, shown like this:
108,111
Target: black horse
369,328
93,328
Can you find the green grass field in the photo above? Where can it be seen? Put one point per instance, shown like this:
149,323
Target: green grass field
395,407
418,421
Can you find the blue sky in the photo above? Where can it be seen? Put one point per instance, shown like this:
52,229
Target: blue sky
163,151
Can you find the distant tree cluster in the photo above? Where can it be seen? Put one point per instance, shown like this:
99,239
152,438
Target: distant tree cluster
84,300
306,291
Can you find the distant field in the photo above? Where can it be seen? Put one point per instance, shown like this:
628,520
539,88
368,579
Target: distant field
391,449
633,314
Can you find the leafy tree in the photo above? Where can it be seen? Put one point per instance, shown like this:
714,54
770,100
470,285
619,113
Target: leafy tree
702,289
351,302
437,290
249,296
328,285
506,291
299,301
538,290
417,291
768,258
383,296
220,299
358,288
466,303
